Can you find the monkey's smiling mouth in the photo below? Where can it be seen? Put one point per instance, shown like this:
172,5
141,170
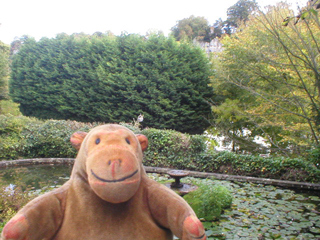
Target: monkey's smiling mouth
116,180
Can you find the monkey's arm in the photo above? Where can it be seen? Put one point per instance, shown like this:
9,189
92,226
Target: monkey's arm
39,219
172,212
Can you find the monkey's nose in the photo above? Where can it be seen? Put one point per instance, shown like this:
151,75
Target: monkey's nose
115,166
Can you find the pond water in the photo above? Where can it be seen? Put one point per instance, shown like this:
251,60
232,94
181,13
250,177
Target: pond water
257,212
34,178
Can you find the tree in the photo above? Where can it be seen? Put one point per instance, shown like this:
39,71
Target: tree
17,43
192,28
198,28
114,79
4,70
217,28
276,71
239,14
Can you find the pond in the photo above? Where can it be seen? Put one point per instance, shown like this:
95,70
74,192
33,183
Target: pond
257,211
35,178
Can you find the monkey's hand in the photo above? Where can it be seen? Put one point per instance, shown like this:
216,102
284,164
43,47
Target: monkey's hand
16,228
39,219
193,229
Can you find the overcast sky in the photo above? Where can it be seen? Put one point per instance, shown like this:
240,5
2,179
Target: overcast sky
47,18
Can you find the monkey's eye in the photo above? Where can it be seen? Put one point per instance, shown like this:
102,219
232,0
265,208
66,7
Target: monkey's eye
127,140
97,140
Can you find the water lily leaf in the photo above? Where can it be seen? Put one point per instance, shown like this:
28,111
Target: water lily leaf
209,233
226,229
243,234
309,206
207,224
306,236
305,224
314,198
315,230
301,198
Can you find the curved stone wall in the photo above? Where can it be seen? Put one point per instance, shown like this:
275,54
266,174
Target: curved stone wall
266,181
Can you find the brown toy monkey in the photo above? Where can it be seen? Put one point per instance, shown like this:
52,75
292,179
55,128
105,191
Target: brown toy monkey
108,197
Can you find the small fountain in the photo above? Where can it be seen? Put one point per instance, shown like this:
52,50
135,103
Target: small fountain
181,188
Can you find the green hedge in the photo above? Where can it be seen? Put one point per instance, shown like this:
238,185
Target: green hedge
23,137
293,169
168,148
113,78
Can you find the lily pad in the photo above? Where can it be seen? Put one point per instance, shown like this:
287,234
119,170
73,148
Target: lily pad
266,212
315,230
315,198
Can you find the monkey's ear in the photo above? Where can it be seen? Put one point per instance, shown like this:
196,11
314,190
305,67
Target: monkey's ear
143,141
77,138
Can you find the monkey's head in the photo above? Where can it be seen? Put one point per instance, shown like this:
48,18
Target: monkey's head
111,157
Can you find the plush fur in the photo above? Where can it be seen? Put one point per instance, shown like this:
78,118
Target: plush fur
108,197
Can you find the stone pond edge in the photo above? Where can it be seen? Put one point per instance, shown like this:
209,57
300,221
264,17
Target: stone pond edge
218,176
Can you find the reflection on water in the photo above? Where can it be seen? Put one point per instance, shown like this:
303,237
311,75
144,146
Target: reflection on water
34,177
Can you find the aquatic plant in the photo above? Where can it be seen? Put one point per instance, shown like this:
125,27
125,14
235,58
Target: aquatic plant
208,201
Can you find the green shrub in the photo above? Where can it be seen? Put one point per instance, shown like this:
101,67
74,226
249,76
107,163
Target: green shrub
12,125
23,137
133,127
9,147
11,141
52,138
168,148
48,139
208,201
314,156
9,107
294,169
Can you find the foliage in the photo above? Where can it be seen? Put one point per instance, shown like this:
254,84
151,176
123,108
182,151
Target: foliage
314,156
51,138
4,71
168,148
283,168
134,127
311,8
10,202
192,28
172,149
269,73
208,201
11,128
239,14
9,107
113,79
266,212
31,138
198,28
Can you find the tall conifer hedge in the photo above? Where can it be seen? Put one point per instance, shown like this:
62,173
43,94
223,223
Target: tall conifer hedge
113,79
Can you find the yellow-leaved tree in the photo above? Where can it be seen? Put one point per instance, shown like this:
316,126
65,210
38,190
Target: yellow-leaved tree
270,72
